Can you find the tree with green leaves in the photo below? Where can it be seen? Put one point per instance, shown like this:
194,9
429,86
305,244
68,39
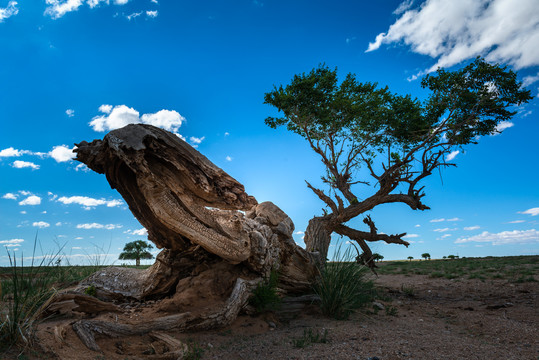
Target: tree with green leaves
397,140
136,250
410,258
425,256
377,257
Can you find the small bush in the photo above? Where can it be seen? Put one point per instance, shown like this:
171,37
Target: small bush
309,337
342,286
90,290
265,297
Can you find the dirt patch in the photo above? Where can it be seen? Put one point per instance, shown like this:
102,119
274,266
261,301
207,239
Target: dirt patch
417,318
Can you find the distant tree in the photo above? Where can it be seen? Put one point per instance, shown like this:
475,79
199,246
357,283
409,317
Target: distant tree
444,257
425,256
410,258
136,250
451,257
396,140
377,257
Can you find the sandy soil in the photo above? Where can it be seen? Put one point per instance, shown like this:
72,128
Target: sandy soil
425,319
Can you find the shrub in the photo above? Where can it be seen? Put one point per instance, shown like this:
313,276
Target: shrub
309,337
265,297
342,286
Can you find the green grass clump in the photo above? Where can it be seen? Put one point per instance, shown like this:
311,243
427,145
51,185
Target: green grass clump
265,297
310,337
343,287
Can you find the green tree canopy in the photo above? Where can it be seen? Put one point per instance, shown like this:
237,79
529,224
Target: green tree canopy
136,250
425,256
399,140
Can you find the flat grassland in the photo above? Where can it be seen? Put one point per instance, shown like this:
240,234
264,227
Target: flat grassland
469,308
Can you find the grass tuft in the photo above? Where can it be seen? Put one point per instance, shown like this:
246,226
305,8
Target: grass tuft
342,286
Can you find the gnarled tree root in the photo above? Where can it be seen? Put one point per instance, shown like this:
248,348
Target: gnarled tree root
225,315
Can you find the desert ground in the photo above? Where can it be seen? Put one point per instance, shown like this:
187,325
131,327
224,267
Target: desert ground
439,309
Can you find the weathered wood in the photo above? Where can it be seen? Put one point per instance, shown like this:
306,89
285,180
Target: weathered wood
213,235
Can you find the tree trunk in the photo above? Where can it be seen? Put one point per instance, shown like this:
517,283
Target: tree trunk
318,238
218,241
138,262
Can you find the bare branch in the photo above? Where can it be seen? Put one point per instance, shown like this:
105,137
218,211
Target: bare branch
329,202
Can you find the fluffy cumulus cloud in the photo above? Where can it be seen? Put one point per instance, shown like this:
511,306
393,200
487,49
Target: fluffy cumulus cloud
41,224
11,152
31,200
454,31
122,115
9,11
61,153
98,226
19,164
152,13
88,202
70,112
504,237
532,211
10,196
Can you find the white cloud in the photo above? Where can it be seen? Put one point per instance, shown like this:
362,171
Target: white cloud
196,141
417,225
454,219
532,211
437,220
76,248
12,241
154,1
501,127
475,227
504,237
410,236
169,120
9,11
106,109
122,115
528,80
82,167
134,15
23,212
24,164
516,221
11,152
70,112
139,232
58,223
62,153
299,233
88,201
41,224
93,3
98,226
120,2
58,8
152,14
31,200
452,155
228,158
454,31
227,133
10,196
79,238
405,5
444,230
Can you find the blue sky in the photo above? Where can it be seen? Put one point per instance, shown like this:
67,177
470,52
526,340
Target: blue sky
72,70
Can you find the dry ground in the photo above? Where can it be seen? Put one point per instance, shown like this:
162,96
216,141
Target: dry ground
423,318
